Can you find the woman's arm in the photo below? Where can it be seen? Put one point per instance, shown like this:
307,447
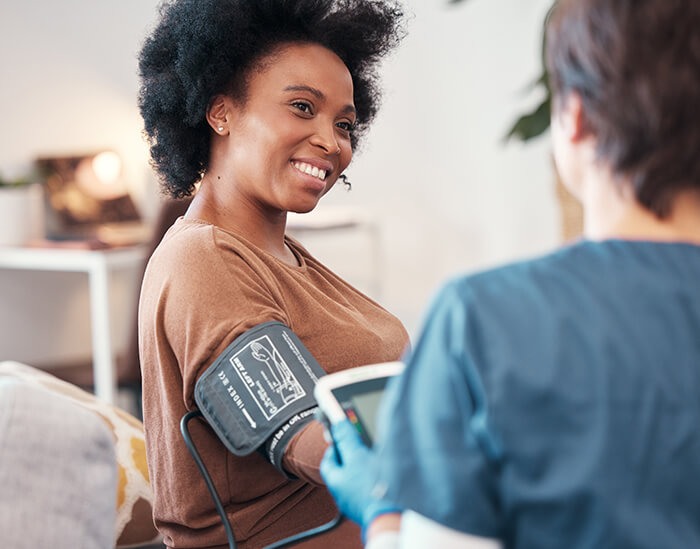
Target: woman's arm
302,457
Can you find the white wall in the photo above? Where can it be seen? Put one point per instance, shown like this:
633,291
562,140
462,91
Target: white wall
68,73
67,85
452,196
448,193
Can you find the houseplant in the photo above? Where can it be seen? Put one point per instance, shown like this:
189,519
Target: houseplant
533,124
20,210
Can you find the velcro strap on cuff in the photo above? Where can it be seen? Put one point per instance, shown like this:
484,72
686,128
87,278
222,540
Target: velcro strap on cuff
276,445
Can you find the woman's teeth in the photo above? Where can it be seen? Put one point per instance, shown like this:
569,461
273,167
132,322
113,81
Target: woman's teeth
310,170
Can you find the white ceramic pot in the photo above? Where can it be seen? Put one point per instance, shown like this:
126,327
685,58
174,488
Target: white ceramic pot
21,214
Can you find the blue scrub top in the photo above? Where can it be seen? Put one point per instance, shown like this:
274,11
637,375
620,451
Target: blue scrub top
556,402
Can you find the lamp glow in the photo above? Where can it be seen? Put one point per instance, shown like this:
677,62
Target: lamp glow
107,166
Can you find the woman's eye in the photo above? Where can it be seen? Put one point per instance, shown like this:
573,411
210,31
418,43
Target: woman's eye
346,126
302,106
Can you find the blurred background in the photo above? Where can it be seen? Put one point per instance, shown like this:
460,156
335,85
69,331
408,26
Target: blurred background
437,190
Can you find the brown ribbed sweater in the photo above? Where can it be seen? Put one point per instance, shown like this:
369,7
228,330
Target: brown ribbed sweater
204,287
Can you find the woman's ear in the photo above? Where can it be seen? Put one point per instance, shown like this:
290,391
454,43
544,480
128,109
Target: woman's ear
571,118
219,114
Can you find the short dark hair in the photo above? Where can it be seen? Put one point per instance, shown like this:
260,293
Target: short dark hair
200,48
636,66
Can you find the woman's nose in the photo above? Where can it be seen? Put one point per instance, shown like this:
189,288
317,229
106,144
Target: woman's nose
325,138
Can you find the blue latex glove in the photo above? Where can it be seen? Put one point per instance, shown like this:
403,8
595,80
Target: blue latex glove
351,482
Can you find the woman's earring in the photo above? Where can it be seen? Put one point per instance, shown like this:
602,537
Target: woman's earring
344,179
220,128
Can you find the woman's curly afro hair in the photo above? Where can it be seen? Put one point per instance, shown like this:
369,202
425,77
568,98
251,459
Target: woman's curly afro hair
200,48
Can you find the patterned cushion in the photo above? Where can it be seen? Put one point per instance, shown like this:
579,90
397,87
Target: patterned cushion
134,495
57,463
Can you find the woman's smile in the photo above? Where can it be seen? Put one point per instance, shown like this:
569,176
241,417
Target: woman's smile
313,172
308,169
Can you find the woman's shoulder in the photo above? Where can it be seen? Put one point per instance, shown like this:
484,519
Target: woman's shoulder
538,281
577,276
196,250
197,266
195,241
576,258
586,263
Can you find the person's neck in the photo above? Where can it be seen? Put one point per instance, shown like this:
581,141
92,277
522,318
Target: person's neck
215,204
611,211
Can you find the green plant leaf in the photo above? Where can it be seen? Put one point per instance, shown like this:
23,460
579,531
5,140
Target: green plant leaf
536,123
532,125
21,182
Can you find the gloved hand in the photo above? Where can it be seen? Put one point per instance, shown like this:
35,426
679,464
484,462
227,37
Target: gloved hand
351,482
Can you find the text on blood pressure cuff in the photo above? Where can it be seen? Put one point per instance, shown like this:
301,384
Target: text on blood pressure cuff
259,391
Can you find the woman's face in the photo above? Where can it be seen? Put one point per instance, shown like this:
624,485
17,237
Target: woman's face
290,140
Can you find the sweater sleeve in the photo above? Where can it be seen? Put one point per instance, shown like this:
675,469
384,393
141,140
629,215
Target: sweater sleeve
214,295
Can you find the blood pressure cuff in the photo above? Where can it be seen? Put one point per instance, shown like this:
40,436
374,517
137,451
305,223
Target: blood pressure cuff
259,392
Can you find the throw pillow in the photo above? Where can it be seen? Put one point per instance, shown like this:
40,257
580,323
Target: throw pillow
134,495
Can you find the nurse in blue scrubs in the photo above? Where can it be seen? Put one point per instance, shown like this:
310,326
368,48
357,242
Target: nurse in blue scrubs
556,402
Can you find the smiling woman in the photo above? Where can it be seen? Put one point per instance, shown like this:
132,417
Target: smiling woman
295,124
258,105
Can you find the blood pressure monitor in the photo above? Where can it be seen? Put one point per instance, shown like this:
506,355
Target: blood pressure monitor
355,394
